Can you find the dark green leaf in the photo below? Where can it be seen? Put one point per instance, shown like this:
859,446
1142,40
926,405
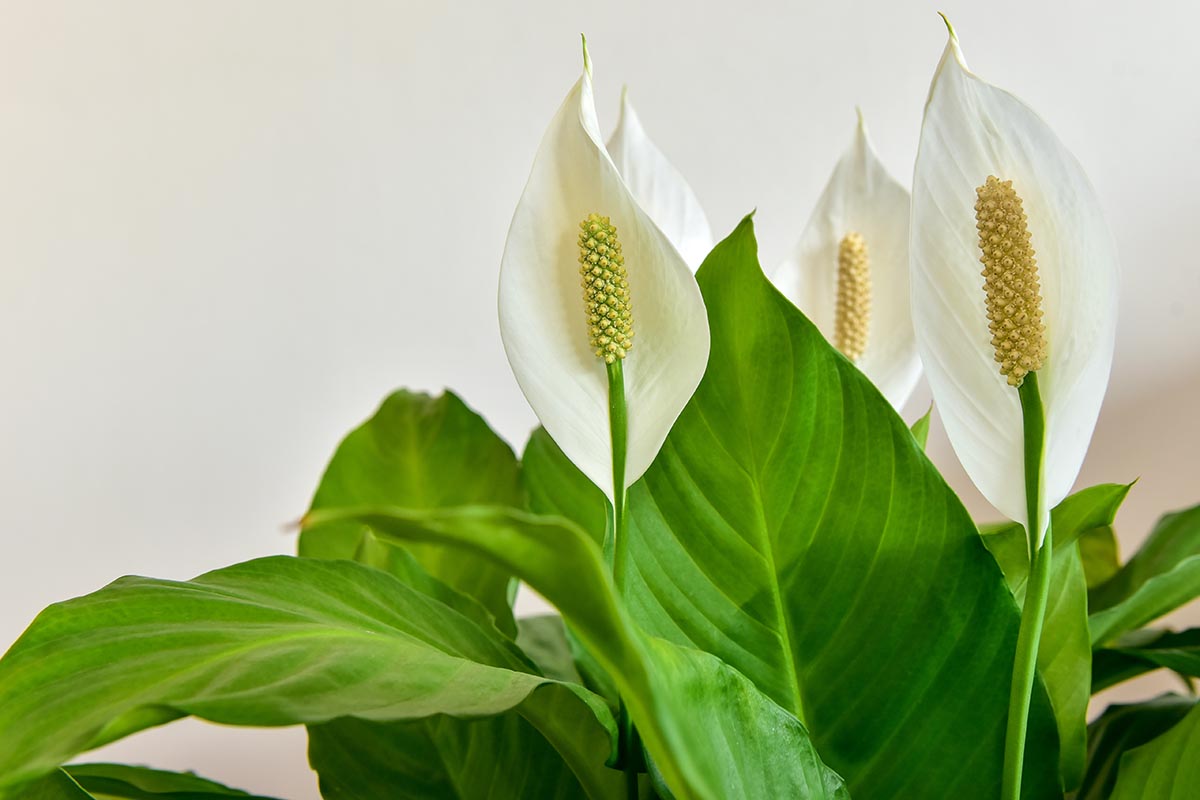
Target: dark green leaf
1165,768
276,641
1141,651
1119,729
792,526
57,785
423,452
1163,575
504,757
701,721
123,782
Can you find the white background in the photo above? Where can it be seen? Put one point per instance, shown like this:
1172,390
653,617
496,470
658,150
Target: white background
228,229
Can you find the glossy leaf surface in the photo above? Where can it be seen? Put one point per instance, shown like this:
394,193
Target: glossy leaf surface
792,526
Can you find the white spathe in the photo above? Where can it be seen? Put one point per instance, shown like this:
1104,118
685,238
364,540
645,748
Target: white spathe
861,197
542,321
972,130
659,187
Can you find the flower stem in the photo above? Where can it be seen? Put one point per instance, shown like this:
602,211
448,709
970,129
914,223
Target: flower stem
618,421
619,426
1036,590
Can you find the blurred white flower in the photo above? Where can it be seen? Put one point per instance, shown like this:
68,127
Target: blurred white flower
658,187
849,273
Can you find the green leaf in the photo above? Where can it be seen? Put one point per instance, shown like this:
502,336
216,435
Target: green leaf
1165,768
557,488
700,721
920,428
1065,660
544,640
1100,556
1119,729
1073,519
57,785
123,782
1142,651
792,526
504,757
1064,653
423,452
275,641
1163,575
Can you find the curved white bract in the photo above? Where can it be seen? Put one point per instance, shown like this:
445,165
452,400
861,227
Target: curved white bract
542,319
658,187
972,130
861,197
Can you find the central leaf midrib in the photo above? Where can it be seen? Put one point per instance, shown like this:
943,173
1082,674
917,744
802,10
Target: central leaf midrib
767,541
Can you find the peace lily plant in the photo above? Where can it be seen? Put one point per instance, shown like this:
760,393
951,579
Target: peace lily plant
763,587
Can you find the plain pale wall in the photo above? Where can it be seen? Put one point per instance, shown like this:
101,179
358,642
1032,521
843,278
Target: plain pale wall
228,229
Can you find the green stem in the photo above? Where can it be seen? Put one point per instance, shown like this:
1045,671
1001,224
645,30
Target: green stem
618,421
1036,590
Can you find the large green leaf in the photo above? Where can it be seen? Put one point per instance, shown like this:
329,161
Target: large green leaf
1165,768
1119,729
708,729
423,452
1143,651
792,526
1065,651
276,641
1163,575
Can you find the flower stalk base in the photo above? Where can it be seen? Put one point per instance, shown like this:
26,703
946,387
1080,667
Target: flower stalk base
1034,611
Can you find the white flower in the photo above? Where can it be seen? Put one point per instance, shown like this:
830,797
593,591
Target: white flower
658,187
542,315
860,224
971,131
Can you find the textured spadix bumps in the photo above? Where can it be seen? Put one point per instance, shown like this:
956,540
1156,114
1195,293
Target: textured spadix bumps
852,321
971,131
546,328
1010,280
849,272
605,289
